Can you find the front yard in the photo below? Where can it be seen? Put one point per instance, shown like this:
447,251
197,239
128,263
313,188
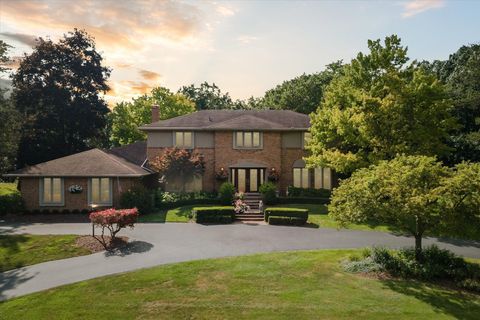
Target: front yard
22,250
292,285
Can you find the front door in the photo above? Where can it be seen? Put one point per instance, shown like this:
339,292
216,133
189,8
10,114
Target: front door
247,179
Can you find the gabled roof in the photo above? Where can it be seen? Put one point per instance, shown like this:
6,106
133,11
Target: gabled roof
282,120
117,162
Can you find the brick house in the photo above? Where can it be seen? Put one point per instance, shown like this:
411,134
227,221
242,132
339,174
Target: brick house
245,145
249,145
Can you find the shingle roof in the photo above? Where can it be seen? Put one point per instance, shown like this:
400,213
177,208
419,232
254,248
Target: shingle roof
117,162
235,120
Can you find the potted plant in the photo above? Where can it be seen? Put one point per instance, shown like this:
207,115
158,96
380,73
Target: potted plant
222,175
273,175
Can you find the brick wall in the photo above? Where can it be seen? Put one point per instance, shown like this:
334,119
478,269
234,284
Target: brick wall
30,189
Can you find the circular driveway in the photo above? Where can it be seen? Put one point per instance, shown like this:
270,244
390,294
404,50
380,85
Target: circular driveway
157,244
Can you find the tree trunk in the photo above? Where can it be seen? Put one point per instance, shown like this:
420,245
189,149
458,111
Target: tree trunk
418,247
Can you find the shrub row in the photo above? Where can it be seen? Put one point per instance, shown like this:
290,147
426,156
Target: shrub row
294,192
11,203
287,200
289,216
56,211
214,214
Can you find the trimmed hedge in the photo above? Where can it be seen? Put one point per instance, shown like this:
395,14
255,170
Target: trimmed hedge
285,221
294,192
296,216
287,200
11,203
214,214
188,202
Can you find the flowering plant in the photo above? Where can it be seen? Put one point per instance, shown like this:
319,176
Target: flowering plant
273,175
113,220
239,195
240,206
222,174
75,188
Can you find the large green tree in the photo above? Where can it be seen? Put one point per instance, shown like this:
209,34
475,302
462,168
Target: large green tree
9,123
302,94
415,194
379,107
207,96
461,74
57,91
126,117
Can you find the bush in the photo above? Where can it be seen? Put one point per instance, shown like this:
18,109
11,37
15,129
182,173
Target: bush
11,203
362,266
470,284
114,220
285,221
301,214
162,197
269,193
294,192
287,200
226,193
137,197
214,214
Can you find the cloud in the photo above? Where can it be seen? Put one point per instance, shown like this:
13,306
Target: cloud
137,87
149,75
27,39
113,23
225,11
246,39
414,7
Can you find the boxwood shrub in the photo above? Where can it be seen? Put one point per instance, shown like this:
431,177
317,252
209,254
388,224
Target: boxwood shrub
294,192
288,200
296,216
286,221
214,214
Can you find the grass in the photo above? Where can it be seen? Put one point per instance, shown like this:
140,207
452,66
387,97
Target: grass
179,214
7,188
22,250
293,285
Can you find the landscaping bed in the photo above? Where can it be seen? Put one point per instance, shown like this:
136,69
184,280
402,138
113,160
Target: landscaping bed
288,285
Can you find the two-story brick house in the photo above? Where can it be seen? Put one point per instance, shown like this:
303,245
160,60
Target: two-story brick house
248,145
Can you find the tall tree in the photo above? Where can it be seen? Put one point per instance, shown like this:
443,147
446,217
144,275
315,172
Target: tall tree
302,94
207,96
380,107
126,117
10,122
461,74
57,91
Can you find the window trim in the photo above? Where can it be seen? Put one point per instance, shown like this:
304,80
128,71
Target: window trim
100,204
183,135
260,137
41,201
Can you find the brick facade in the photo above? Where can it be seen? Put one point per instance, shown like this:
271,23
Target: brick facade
224,155
30,189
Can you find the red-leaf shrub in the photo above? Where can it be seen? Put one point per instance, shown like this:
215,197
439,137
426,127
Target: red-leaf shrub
114,220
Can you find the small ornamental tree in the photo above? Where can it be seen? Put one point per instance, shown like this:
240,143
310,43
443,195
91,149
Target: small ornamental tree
415,194
113,220
179,163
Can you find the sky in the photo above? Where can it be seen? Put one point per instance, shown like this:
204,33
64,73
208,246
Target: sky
245,47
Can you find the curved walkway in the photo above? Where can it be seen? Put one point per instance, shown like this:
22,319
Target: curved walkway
157,244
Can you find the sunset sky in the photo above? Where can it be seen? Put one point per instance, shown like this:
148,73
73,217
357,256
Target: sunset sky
245,47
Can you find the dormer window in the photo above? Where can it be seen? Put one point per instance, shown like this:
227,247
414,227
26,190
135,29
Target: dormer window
247,140
183,139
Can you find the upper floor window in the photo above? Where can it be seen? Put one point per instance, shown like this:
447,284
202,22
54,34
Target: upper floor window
183,139
100,191
51,192
247,139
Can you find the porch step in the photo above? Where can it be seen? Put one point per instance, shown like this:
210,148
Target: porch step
249,217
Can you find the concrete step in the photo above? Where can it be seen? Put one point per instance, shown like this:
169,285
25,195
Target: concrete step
243,218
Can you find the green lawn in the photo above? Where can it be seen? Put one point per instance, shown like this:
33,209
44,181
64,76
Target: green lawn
293,285
7,188
22,250
179,214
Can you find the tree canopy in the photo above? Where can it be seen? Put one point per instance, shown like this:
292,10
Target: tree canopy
301,94
126,117
207,96
415,194
379,107
57,91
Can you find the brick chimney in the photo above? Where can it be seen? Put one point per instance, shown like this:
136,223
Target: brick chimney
155,113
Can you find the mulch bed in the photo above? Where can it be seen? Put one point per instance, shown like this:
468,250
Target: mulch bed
93,243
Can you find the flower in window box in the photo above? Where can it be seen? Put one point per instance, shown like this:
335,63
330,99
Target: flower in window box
75,188
222,174
273,175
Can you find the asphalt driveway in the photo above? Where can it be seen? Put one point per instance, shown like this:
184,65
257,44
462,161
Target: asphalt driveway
157,244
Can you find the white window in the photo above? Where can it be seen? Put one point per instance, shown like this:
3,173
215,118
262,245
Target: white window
301,177
183,139
100,192
51,192
247,139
